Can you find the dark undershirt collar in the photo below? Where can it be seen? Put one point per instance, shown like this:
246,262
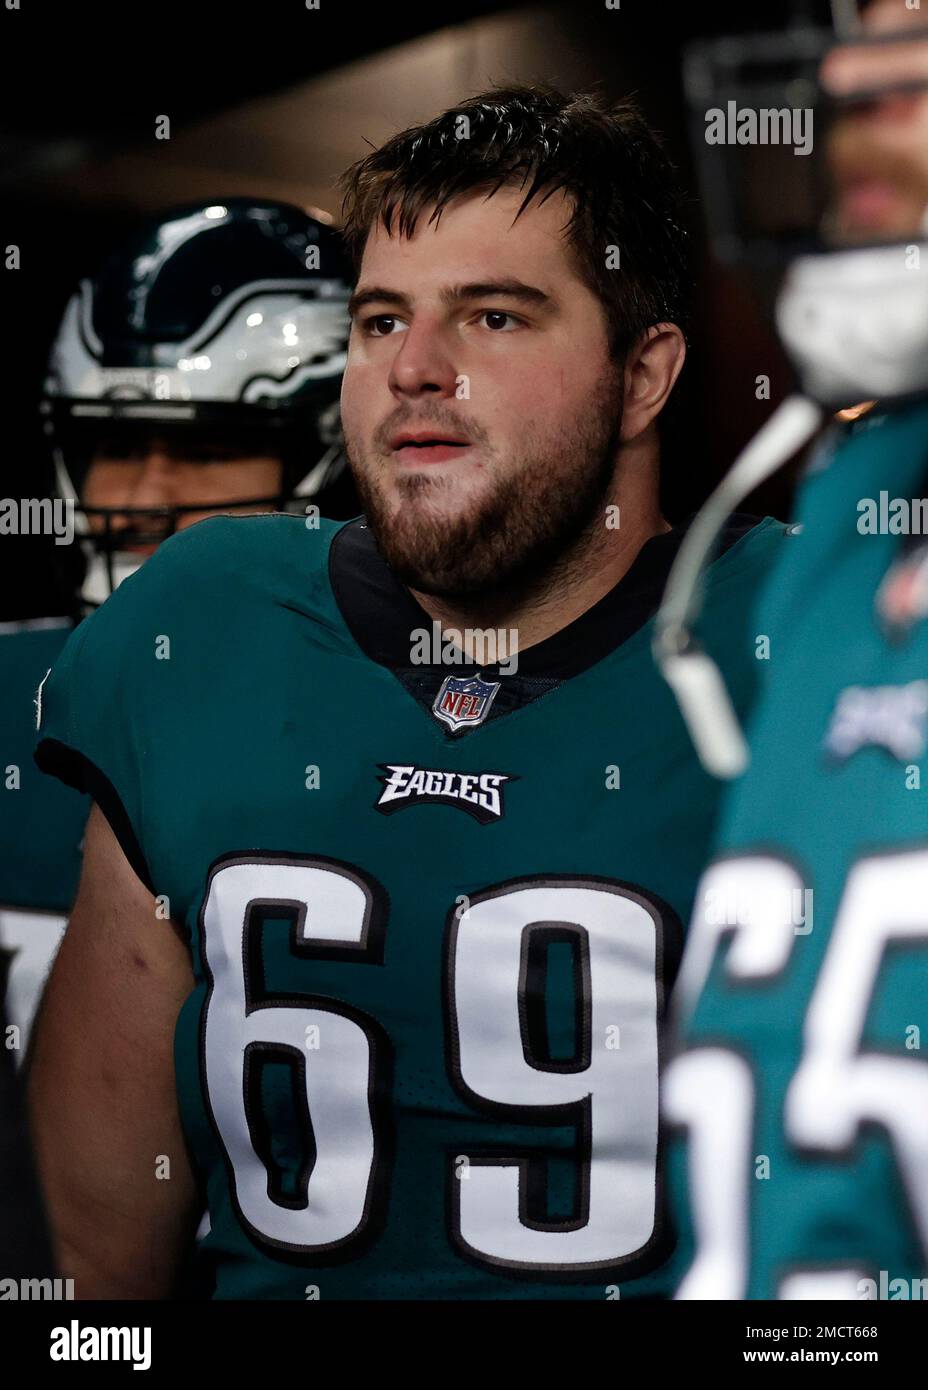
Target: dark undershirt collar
381,614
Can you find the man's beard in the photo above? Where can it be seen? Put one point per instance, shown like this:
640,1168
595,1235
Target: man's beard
516,535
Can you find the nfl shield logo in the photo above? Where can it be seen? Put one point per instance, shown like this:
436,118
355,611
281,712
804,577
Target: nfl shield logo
464,700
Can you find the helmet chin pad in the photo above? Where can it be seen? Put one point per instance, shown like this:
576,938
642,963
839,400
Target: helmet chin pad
105,574
855,324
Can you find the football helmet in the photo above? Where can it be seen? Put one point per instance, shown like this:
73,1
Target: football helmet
852,308
216,321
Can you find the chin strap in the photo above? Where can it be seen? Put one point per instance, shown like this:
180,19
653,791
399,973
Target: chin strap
689,671
105,573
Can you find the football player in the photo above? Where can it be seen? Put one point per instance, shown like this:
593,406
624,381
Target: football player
197,372
395,823
803,992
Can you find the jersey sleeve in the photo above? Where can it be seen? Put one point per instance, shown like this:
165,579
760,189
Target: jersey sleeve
84,735
108,701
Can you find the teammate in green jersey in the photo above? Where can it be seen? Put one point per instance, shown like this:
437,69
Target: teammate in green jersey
145,443
804,990
392,899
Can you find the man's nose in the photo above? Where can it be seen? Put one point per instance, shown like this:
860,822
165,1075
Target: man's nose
153,485
424,363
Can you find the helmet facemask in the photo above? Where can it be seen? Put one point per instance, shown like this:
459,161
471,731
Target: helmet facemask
852,309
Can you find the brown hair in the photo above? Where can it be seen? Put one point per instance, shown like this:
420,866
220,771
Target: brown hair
606,159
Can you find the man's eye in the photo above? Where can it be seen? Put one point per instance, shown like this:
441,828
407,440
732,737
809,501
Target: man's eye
493,317
381,325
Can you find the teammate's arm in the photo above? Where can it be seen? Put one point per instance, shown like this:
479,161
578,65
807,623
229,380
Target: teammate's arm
101,1087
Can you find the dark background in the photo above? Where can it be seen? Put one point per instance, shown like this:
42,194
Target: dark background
82,86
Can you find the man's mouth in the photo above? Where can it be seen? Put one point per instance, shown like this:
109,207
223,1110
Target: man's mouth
421,447
869,204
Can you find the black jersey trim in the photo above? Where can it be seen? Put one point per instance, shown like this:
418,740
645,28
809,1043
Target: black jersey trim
76,770
380,612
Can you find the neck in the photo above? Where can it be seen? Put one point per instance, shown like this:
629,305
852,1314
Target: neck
544,604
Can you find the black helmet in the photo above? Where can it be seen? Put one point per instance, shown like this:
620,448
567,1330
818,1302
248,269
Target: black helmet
226,318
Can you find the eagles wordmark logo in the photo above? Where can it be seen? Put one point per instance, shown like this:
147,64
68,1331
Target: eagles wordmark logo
891,716
480,794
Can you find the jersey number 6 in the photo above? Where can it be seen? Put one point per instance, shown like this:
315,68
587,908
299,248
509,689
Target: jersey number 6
607,1089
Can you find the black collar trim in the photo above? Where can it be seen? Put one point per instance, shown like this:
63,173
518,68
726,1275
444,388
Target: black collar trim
381,613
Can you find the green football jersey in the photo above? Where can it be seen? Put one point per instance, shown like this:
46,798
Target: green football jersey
431,941
801,1087
41,824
